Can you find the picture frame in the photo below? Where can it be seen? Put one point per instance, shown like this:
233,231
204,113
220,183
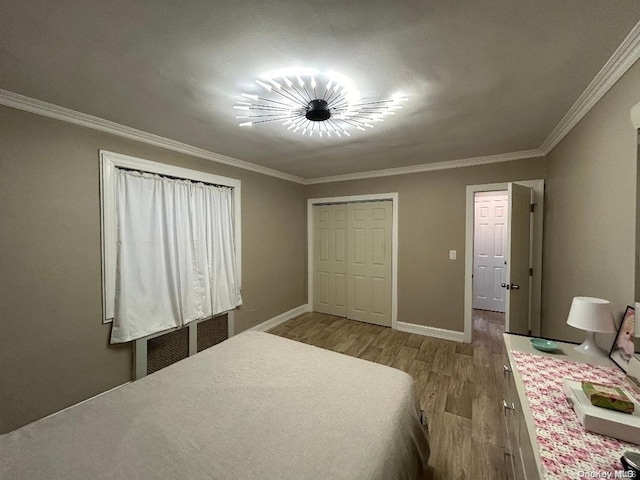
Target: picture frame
623,348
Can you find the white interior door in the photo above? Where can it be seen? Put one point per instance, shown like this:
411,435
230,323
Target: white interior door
489,250
330,259
518,260
352,258
369,262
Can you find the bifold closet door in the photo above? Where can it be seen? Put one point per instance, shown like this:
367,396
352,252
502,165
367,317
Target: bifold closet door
369,262
352,261
330,259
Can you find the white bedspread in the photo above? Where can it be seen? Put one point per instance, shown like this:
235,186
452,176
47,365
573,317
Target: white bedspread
256,406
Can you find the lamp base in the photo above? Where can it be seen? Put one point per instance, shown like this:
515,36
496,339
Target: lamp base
589,347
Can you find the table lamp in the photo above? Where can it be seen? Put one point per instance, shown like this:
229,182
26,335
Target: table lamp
593,315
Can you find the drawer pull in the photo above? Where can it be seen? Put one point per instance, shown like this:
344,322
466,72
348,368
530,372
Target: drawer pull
506,406
505,370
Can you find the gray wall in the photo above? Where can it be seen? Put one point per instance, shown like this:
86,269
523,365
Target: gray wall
590,211
54,349
431,221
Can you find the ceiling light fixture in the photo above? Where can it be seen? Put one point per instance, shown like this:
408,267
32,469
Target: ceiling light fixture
305,100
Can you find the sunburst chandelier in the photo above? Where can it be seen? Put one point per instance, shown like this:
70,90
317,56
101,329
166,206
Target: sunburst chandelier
308,101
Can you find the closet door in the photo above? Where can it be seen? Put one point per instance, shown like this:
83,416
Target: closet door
330,262
369,262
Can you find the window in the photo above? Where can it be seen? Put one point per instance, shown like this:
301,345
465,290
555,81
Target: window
116,168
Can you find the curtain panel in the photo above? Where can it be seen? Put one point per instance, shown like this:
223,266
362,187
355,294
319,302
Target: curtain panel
175,254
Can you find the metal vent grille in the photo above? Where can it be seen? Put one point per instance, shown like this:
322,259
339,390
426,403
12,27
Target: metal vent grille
166,349
212,331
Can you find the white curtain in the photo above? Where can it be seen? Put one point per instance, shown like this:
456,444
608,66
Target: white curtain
176,254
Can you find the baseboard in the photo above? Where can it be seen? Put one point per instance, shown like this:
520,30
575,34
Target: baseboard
431,331
283,317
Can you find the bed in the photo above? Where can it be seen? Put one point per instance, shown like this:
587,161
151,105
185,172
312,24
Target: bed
256,406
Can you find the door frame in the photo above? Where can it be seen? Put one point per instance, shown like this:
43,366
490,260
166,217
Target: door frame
536,261
394,242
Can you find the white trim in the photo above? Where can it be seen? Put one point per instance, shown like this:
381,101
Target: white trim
635,116
231,323
140,357
21,102
109,161
283,317
394,242
431,331
617,65
536,287
429,167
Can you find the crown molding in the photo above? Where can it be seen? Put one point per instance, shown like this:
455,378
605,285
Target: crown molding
429,167
622,59
21,102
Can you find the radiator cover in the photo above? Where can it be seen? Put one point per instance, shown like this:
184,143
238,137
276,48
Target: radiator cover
160,351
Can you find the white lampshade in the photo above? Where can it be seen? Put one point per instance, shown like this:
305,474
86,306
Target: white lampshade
593,315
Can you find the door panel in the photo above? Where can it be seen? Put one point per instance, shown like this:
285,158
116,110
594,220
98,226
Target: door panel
330,262
489,251
369,266
518,260
341,290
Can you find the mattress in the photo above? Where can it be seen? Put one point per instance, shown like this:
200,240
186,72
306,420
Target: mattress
256,406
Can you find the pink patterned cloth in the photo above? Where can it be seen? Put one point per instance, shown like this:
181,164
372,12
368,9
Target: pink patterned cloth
566,449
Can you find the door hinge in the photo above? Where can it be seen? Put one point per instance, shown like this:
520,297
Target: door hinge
533,207
531,272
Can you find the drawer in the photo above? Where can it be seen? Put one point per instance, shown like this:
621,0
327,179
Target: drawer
514,423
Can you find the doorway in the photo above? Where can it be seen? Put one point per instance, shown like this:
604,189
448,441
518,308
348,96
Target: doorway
312,243
489,250
520,280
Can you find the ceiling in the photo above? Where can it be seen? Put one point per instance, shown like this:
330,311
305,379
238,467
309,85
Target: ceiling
484,77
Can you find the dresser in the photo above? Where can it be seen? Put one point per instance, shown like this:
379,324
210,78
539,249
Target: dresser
522,452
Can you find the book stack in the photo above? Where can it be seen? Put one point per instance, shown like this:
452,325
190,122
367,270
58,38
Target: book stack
617,419
609,397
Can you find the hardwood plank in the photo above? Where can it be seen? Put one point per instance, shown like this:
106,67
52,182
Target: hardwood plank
383,338
389,352
428,350
360,344
452,460
443,361
371,353
415,340
418,368
486,408
464,349
432,391
460,395
488,461
403,358
482,355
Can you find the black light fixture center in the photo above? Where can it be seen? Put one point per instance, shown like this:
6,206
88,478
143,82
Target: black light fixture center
318,111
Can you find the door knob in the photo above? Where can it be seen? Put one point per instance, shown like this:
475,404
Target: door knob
504,285
515,287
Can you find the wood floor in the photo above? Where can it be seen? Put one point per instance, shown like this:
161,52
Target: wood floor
458,385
